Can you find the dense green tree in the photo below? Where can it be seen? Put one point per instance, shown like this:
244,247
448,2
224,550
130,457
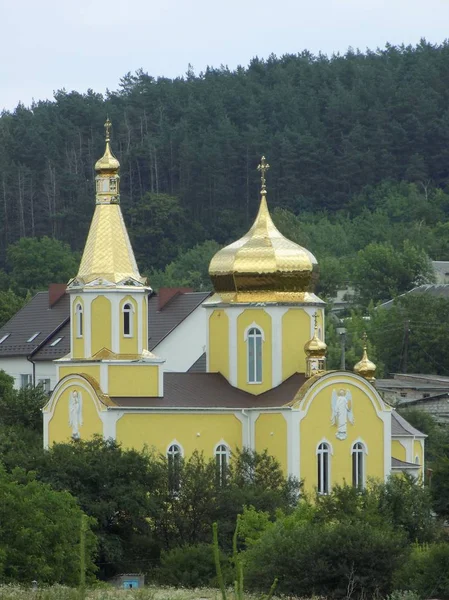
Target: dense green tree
40,532
10,303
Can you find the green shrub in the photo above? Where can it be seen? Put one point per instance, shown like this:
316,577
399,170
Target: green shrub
191,566
331,559
403,595
426,571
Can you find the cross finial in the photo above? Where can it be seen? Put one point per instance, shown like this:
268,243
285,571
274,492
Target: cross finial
315,318
263,168
365,340
107,127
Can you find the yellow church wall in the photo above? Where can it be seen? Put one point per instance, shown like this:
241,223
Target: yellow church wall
417,452
92,370
316,427
295,333
398,450
129,345
101,324
77,342
271,435
133,380
59,429
219,343
263,320
159,430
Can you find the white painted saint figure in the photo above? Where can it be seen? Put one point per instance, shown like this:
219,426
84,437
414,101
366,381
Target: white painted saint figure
75,413
342,412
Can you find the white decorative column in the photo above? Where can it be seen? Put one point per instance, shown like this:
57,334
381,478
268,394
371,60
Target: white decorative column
233,314
276,313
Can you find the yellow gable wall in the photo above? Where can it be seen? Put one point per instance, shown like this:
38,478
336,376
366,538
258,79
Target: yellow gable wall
295,333
159,430
77,342
219,343
417,451
59,429
129,345
133,380
92,370
261,319
101,324
271,435
316,425
398,450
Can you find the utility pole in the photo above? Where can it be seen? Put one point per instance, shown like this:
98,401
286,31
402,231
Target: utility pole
341,331
405,345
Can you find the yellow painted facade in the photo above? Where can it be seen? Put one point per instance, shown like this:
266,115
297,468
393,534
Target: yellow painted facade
101,323
271,435
261,319
398,450
92,370
134,381
77,340
219,343
129,343
296,327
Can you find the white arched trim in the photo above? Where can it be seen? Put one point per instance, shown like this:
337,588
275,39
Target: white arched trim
325,441
175,443
253,326
72,379
225,444
359,441
79,319
324,466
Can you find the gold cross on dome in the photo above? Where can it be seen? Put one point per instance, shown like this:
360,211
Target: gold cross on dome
107,127
263,168
315,318
365,340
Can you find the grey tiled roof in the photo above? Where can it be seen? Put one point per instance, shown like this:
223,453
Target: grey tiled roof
399,426
212,390
200,365
438,290
402,464
34,317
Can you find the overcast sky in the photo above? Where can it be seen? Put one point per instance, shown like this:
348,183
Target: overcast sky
81,44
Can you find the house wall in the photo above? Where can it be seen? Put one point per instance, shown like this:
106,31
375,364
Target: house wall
183,346
18,365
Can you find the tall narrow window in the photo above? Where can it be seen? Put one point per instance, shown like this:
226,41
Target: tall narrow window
127,320
79,320
254,355
358,466
221,459
323,468
174,457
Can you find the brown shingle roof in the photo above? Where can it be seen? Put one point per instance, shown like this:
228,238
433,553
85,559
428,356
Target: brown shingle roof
36,316
212,390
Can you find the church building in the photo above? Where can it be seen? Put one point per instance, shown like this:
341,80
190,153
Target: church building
266,386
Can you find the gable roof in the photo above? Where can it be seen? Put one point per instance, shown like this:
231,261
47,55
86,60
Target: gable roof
212,390
399,426
52,322
396,463
438,290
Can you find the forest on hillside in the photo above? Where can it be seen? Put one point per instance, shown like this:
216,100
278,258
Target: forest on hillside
332,128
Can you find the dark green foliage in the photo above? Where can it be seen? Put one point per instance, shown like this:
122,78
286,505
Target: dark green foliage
191,566
426,571
10,303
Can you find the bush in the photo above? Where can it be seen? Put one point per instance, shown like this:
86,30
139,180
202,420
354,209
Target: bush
426,571
329,559
191,566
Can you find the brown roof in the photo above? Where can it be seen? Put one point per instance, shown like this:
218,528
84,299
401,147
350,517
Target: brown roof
37,316
399,426
212,390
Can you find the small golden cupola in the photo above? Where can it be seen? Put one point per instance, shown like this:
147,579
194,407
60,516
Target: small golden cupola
263,265
365,368
315,350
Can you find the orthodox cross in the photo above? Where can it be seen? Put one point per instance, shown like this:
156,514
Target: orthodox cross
107,127
263,168
365,340
315,318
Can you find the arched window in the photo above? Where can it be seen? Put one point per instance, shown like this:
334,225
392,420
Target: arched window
127,320
358,465
417,460
174,456
222,459
79,320
323,454
254,340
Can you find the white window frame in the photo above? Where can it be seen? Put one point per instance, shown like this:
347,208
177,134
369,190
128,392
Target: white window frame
358,452
171,454
56,341
79,319
45,382
222,450
249,338
324,449
33,337
29,380
130,312
3,338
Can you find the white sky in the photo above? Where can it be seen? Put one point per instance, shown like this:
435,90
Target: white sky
81,44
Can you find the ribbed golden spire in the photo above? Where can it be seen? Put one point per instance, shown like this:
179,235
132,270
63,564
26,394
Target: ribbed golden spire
263,265
365,368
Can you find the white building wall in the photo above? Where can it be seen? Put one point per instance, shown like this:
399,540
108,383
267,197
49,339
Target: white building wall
183,346
17,366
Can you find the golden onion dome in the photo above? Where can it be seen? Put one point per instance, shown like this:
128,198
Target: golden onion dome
107,164
263,265
365,367
315,348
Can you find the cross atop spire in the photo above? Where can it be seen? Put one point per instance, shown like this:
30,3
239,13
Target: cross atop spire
107,127
315,318
365,340
263,168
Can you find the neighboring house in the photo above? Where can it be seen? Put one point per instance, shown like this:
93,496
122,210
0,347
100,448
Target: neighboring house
40,334
429,393
438,290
